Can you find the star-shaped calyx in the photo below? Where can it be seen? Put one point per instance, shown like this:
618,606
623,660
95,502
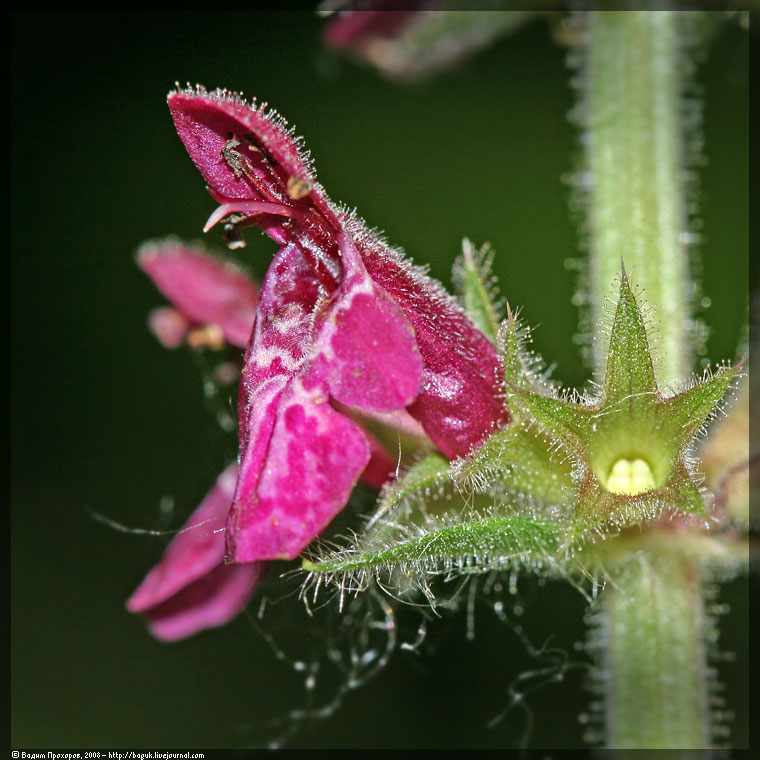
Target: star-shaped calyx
631,444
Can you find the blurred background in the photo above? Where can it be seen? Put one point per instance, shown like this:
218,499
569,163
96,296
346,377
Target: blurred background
106,421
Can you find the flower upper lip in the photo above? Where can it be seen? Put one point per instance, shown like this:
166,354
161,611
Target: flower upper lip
248,156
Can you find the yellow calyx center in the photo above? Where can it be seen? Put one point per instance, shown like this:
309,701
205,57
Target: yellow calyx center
630,477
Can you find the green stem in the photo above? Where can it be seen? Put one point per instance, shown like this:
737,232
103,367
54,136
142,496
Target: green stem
652,634
632,83
651,648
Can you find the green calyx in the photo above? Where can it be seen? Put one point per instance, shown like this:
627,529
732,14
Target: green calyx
630,444
566,471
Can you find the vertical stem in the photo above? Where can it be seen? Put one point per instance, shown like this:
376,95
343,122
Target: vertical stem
654,655
651,647
633,89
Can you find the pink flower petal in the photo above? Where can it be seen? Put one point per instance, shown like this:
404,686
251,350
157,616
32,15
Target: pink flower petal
247,153
281,337
366,349
313,462
202,289
190,589
195,551
301,458
211,601
210,122
355,29
460,400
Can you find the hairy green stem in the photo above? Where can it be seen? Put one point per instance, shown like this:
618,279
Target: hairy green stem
652,634
651,651
632,86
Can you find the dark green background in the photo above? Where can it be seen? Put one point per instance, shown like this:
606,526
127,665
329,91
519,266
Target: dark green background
105,420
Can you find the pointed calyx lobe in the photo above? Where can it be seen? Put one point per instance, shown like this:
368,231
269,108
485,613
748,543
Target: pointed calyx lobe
631,442
258,173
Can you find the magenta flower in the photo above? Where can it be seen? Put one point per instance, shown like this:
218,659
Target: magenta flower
342,320
213,301
214,304
191,588
300,458
412,40
353,29
343,326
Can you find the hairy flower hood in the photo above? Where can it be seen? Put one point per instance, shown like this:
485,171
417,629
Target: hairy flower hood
342,319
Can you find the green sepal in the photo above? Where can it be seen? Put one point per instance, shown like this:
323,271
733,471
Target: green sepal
520,366
476,284
488,543
683,492
425,482
561,419
509,343
629,371
517,460
686,412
